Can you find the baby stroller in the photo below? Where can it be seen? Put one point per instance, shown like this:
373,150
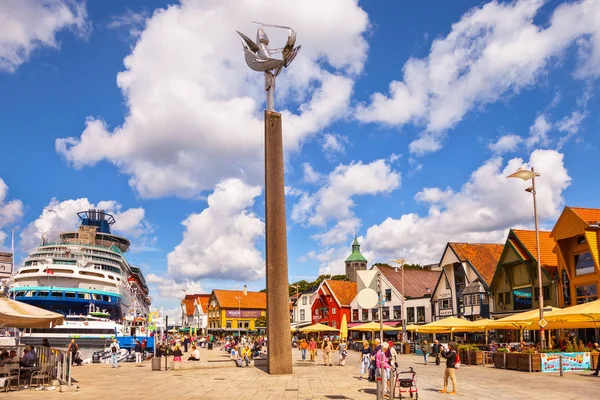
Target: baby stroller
407,385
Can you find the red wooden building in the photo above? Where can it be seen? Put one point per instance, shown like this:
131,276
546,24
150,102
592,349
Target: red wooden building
331,301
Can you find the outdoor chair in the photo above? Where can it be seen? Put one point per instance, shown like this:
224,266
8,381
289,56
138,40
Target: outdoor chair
10,373
42,375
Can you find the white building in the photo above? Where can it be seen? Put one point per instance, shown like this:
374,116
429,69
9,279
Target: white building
463,289
301,311
194,312
419,284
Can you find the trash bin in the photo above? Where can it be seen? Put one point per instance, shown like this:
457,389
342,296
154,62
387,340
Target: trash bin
210,345
156,363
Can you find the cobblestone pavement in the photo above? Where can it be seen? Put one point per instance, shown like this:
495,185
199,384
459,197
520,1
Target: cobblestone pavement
311,381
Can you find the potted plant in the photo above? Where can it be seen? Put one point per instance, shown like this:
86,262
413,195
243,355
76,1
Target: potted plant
475,356
498,357
512,360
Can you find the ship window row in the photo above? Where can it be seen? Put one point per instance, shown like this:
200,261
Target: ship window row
79,257
68,271
68,295
72,331
62,250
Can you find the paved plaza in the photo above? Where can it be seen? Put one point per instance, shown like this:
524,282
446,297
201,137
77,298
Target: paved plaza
310,381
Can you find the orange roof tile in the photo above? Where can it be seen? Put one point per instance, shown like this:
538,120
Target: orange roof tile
589,215
189,306
253,300
344,291
482,256
527,238
417,280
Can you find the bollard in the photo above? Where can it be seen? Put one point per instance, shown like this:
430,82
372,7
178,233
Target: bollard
560,364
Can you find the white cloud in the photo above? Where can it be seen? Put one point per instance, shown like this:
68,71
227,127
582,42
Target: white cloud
220,241
310,175
10,211
169,289
494,50
481,211
60,216
506,144
570,125
26,25
133,22
538,132
434,195
195,109
334,143
334,200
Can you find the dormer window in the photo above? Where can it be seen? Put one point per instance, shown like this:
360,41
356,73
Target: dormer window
581,240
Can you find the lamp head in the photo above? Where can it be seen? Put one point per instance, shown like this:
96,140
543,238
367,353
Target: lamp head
245,290
523,174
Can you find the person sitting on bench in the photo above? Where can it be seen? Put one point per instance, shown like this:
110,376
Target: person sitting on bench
195,356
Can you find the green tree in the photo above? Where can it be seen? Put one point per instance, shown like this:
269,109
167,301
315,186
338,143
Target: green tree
261,322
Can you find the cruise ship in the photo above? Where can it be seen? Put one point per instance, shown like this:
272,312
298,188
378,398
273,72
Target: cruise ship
83,268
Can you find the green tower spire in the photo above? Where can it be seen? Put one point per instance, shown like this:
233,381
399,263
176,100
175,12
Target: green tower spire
356,256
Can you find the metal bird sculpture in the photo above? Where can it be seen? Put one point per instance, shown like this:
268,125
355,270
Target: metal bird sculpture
259,57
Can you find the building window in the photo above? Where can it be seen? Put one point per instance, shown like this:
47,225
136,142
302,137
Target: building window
247,324
484,299
330,299
586,293
302,316
317,312
304,300
355,315
546,290
386,313
334,324
467,300
522,298
375,313
397,312
584,263
475,300
410,313
447,282
445,304
228,324
333,310
421,314
388,294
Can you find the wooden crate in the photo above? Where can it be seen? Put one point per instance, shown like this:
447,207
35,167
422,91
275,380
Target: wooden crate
498,359
476,357
512,360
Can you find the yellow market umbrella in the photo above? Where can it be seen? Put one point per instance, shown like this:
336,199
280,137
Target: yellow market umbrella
524,320
372,327
344,328
16,314
586,315
319,328
449,324
413,327
474,326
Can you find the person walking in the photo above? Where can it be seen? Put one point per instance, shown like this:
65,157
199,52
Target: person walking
451,360
327,349
343,352
425,350
436,351
382,361
73,347
393,355
372,365
303,349
114,354
365,358
137,350
312,346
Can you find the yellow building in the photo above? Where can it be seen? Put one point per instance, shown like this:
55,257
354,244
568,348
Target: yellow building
577,237
234,310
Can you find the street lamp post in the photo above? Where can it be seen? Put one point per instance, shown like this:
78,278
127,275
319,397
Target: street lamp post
401,262
526,175
239,299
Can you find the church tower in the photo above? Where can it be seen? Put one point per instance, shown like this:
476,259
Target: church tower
355,261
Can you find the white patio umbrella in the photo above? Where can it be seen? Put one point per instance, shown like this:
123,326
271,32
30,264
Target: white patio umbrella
16,314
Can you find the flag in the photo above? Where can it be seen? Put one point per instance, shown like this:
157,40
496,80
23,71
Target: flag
49,271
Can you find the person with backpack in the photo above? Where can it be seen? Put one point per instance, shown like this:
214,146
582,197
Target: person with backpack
114,354
452,364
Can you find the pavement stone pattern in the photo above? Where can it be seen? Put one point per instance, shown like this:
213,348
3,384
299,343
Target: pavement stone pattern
310,381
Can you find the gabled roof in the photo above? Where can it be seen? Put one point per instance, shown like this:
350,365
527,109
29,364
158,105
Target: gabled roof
343,291
482,256
589,215
202,300
254,300
190,301
527,239
417,280
189,306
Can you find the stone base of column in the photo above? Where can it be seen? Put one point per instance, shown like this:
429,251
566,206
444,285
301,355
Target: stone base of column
279,350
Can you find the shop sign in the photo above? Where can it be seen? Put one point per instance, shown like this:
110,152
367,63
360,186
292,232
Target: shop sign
566,288
571,362
244,313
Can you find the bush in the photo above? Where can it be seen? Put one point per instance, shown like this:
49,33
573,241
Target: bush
528,351
549,350
582,347
502,350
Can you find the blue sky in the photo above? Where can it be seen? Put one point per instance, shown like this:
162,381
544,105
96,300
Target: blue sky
401,120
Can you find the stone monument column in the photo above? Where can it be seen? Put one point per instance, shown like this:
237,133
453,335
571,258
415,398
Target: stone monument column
279,354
